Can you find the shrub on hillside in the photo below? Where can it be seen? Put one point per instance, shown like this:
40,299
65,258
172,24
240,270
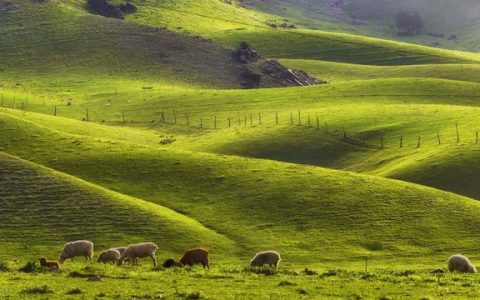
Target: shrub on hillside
4,267
409,23
31,267
38,290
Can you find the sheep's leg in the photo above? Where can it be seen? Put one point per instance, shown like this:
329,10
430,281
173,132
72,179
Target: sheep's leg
154,260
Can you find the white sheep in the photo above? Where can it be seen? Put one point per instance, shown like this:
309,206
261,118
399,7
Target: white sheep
133,252
460,263
271,258
109,256
77,248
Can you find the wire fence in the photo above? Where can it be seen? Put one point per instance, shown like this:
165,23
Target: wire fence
140,115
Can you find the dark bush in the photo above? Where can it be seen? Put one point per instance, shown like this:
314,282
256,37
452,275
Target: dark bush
31,267
38,290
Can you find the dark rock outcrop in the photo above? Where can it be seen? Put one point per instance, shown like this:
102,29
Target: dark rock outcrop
256,70
247,55
250,79
286,76
103,8
128,8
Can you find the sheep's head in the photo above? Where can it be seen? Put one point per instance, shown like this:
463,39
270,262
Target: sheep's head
42,260
62,258
472,269
120,261
172,263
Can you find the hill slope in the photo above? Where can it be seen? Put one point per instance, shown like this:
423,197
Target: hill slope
43,43
42,208
295,209
442,19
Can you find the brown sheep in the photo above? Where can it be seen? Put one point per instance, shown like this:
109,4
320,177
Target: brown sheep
49,264
196,256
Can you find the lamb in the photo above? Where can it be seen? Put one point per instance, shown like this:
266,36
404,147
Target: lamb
271,258
196,256
77,248
460,263
136,251
110,255
49,264
169,263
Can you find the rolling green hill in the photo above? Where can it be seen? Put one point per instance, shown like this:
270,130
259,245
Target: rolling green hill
131,130
442,19
45,43
247,201
43,208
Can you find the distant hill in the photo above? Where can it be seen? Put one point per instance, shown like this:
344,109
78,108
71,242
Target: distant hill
451,24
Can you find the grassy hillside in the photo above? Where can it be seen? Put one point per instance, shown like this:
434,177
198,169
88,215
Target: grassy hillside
377,18
46,43
230,25
343,72
42,208
237,197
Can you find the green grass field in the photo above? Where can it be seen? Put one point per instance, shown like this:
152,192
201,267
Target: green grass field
138,130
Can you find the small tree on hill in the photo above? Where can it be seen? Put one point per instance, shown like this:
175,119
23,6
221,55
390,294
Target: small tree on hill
409,23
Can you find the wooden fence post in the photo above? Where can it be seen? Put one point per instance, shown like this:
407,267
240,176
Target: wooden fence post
419,142
245,120
229,122
201,122
260,118
299,119
123,117
55,110
458,134
276,118
309,121
344,133
162,118
382,142
215,122
438,138
318,123
291,118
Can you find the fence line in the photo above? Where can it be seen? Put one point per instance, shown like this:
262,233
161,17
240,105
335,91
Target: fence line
277,119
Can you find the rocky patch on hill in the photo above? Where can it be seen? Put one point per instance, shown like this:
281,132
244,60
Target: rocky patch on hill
257,70
105,9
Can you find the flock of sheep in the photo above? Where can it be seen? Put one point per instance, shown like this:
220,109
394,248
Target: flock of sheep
132,253
120,255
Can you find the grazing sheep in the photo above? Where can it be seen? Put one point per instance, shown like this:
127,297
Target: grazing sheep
196,256
49,264
271,258
461,264
120,249
77,248
169,263
136,251
109,256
